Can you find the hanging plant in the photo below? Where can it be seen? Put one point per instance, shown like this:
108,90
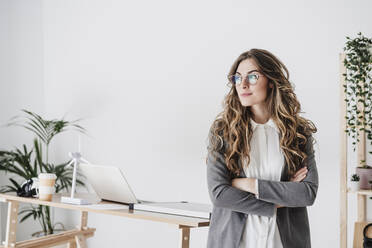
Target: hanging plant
358,88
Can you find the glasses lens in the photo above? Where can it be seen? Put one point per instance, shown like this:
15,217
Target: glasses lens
252,78
236,79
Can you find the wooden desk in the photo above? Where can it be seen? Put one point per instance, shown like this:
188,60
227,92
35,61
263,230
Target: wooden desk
77,237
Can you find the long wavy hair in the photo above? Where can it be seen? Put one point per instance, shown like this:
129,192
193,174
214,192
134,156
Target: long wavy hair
231,131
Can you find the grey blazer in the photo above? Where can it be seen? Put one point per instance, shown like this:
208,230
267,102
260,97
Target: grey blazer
231,205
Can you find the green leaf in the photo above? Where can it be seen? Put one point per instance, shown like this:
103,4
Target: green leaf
17,186
26,217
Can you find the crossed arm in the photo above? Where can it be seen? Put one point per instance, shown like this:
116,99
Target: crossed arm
250,184
224,192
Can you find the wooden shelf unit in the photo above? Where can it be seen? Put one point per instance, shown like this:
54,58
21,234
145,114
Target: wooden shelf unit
361,155
361,191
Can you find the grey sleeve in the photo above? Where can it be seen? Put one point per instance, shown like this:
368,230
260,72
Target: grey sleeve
224,195
293,194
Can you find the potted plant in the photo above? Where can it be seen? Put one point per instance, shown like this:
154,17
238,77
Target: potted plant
28,163
358,89
364,172
354,182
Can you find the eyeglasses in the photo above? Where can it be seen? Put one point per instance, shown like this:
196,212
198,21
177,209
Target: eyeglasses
237,79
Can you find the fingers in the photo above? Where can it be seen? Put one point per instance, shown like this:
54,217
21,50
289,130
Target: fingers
301,171
300,175
298,178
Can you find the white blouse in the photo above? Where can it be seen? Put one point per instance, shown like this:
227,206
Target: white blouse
267,161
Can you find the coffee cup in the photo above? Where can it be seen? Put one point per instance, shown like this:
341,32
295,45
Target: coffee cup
46,186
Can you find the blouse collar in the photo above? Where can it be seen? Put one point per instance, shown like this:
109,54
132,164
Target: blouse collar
270,123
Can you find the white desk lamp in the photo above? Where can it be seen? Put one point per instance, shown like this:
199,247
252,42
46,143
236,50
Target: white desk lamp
76,158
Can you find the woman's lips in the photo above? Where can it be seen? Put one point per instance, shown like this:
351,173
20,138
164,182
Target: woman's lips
246,94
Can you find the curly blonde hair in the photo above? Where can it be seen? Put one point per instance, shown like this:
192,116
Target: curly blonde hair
231,131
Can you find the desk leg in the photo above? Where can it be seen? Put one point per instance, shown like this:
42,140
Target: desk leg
80,240
83,220
184,236
71,245
11,226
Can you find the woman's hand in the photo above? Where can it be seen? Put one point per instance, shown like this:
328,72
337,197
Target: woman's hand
297,177
246,184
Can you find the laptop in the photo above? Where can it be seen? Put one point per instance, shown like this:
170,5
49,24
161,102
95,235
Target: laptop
110,184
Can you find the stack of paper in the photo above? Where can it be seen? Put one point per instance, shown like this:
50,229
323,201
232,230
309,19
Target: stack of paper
198,210
107,206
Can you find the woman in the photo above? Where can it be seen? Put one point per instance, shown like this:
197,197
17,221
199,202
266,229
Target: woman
261,171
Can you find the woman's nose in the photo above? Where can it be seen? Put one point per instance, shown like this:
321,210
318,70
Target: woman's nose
245,84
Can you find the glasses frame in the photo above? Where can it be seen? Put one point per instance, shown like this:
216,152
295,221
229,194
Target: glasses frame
246,78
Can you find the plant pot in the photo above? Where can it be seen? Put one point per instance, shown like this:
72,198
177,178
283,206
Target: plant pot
354,185
365,174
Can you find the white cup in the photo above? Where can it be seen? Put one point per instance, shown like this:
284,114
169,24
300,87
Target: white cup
46,186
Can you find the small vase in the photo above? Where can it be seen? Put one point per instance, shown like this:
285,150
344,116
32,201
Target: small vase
365,174
354,185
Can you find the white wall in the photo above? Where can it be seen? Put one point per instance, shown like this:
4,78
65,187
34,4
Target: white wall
21,79
149,77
